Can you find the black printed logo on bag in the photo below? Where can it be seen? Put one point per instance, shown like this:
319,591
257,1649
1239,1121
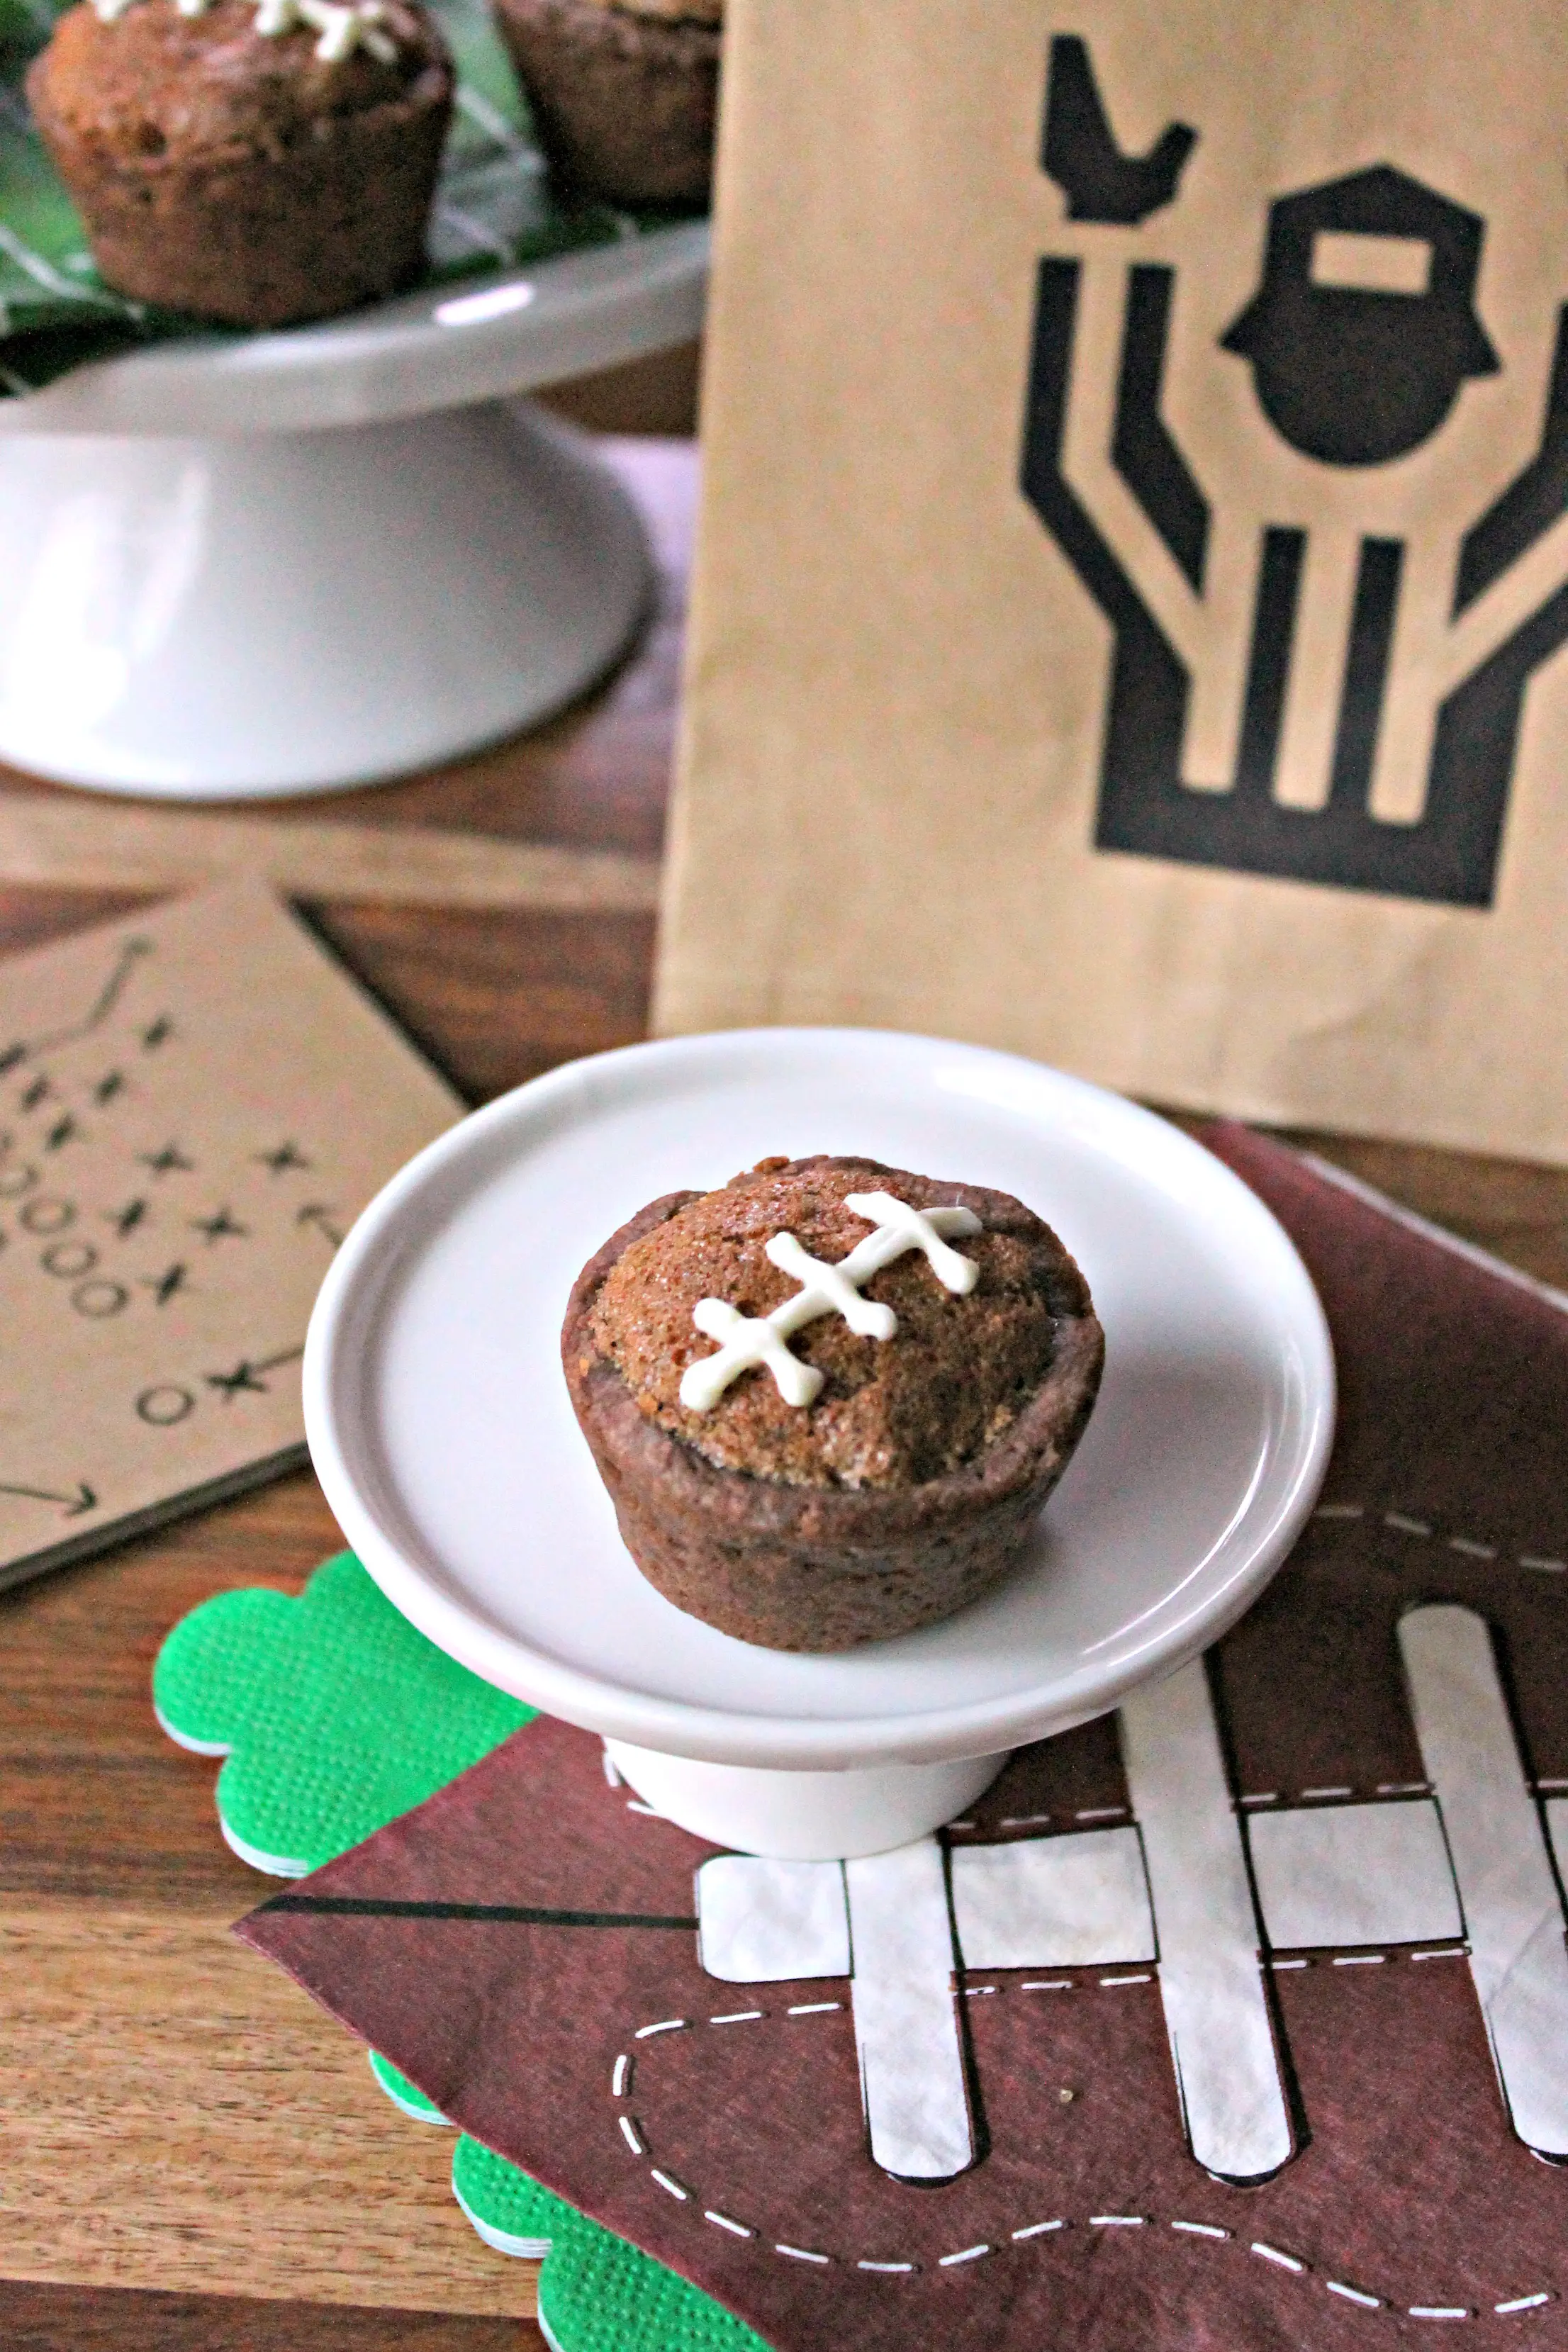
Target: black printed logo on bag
1361,339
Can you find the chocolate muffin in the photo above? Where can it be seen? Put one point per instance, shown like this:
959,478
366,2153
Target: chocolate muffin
254,161
904,1368
624,94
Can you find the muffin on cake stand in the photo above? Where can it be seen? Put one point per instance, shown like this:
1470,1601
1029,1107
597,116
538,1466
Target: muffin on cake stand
329,554
442,1432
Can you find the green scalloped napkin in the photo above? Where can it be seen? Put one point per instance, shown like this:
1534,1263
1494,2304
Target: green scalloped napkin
494,207
334,1716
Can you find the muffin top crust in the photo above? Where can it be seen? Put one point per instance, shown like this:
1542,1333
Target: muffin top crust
889,1412
154,80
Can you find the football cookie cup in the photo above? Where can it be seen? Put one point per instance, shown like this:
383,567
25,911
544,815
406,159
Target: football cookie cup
241,177
624,97
824,1568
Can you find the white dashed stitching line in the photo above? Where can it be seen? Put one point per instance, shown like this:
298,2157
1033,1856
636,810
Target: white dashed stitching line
1101,1814
975,1992
1354,2294
1023,1820
1146,1979
738,2017
1360,1960
1330,1793
1449,1952
1056,1984
1277,1964
1272,2255
1467,1547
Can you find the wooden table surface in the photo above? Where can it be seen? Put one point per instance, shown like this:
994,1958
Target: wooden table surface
179,2125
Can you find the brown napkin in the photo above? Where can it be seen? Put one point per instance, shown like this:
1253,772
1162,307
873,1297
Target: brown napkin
510,1942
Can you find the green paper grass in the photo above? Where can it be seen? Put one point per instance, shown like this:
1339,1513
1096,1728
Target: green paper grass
596,2293
403,2094
334,1716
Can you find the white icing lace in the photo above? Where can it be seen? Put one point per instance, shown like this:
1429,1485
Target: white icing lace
345,25
748,1340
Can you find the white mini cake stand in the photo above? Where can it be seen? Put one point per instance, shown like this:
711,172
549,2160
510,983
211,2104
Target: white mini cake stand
440,1427
306,560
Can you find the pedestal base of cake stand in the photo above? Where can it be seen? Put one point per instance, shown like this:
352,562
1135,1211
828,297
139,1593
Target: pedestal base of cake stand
805,1816
286,612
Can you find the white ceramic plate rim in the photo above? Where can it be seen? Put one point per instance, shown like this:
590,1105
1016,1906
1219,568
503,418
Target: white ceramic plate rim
447,346
377,1243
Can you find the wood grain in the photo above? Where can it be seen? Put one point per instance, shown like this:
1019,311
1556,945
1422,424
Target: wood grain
86,846
176,2118
173,2109
36,2319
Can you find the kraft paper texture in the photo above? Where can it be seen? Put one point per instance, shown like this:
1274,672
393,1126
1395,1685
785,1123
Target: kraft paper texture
195,1103
1133,571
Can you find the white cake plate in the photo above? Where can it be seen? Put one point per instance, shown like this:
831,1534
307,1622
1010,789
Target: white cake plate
440,1427
306,560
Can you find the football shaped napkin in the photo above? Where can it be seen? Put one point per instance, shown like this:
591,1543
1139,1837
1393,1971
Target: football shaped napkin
1239,2018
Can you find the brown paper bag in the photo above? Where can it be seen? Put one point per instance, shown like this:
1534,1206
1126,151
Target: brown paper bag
1134,568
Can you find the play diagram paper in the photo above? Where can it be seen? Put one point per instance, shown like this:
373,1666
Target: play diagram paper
194,1103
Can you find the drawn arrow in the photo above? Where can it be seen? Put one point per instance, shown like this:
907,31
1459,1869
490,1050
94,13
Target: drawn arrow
109,996
245,1374
131,952
84,1499
319,1213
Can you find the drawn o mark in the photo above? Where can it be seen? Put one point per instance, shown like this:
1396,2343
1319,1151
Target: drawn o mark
49,1215
68,1259
164,1405
100,1299
15,1182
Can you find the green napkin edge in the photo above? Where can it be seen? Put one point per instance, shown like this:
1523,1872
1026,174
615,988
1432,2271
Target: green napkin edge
334,1716
294,1695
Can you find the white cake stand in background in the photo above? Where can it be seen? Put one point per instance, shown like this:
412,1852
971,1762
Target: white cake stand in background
297,561
440,1427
